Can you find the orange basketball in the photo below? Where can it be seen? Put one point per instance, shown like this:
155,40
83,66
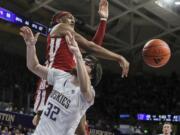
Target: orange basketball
156,53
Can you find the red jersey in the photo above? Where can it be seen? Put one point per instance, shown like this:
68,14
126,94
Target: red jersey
58,54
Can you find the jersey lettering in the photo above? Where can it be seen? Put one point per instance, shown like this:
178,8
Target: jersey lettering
52,111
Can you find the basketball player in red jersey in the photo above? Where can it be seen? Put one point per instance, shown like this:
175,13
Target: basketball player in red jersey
65,62
59,55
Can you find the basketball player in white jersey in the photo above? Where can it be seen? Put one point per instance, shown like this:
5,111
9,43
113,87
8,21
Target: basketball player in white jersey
59,57
72,93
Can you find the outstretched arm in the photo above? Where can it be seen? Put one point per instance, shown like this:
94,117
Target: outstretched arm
103,53
103,13
61,30
82,74
31,57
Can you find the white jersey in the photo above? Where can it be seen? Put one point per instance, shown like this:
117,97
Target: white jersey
64,108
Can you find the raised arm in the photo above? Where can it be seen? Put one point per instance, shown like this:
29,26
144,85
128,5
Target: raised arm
31,57
82,74
103,53
61,30
103,13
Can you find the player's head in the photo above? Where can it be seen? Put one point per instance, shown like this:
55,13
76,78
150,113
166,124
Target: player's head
63,17
96,69
93,68
167,128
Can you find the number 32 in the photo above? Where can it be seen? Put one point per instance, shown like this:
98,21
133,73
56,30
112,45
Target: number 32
52,111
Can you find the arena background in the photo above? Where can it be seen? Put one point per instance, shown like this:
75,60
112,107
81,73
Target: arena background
131,24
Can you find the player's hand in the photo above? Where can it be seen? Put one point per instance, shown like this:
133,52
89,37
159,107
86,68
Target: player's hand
72,44
124,64
36,120
28,36
103,9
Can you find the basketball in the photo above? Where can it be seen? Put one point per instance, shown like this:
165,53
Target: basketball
156,53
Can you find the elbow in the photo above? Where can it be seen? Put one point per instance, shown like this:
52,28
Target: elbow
90,99
30,67
89,96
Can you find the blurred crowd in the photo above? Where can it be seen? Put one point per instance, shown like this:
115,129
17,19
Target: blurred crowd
141,93
17,83
10,130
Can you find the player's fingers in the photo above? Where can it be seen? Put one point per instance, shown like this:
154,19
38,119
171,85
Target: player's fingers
126,73
29,31
69,34
25,31
68,40
22,30
21,33
122,76
73,39
37,35
127,69
124,70
73,49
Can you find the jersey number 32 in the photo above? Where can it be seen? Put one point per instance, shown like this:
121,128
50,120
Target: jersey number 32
52,111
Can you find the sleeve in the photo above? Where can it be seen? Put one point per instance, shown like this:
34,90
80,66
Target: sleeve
100,32
83,102
54,74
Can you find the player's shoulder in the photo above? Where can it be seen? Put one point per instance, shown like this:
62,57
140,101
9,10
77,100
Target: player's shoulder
54,30
84,99
59,72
